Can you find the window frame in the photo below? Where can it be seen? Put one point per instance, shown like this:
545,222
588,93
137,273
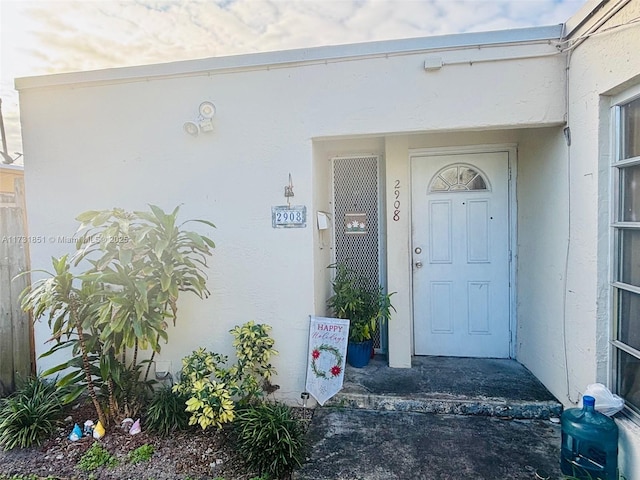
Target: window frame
618,227
478,173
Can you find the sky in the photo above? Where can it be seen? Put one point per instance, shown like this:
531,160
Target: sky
55,36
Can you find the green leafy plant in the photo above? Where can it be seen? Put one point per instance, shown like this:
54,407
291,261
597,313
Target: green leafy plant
69,304
210,404
166,412
269,438
214,389
30,415
208,399
135,266
95,457
254,349
127,392
355,299
141,454
199,365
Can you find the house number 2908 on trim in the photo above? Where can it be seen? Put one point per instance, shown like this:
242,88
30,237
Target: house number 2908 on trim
396,201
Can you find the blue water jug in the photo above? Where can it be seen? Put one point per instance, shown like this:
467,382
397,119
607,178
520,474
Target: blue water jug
589,443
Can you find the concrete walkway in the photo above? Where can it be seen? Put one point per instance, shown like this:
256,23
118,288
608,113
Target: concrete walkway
445,418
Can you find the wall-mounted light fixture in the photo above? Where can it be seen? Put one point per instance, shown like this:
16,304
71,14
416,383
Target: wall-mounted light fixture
204,122
288,191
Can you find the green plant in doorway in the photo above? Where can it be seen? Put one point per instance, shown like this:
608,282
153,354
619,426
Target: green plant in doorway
354,298
364,304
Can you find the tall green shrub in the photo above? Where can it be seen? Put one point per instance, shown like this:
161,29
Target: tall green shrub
133,266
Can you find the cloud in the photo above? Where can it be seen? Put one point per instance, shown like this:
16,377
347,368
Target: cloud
98,34
54,36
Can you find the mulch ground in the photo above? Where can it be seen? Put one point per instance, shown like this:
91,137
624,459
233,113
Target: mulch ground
192,454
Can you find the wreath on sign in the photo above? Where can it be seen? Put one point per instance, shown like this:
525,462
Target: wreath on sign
337,356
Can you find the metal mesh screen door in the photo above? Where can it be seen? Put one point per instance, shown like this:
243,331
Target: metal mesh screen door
356,213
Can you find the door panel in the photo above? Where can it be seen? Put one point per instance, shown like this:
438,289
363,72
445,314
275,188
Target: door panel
478,228
440,232
460,223
441,307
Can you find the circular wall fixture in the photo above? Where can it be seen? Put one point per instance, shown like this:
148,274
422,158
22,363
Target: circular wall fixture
191,128
207,109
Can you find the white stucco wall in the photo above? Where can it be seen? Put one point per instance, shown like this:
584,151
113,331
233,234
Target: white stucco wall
603,65
543,215
115,138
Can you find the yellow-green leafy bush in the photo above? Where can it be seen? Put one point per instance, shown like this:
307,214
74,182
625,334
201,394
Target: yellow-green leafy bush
213,388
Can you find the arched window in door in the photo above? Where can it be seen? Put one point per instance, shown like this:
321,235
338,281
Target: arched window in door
458,178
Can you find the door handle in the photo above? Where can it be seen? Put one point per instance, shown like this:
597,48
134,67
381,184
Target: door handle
418,264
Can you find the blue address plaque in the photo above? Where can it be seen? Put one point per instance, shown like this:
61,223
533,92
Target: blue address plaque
284,216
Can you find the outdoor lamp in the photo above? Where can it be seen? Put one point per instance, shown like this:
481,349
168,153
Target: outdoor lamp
206,112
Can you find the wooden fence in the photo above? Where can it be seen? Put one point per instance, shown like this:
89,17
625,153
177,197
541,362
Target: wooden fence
16,329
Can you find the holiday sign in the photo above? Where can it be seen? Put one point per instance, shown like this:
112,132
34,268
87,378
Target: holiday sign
327,352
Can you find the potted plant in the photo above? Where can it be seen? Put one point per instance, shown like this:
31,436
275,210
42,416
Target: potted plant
355,299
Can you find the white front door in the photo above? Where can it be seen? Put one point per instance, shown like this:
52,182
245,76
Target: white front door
460,251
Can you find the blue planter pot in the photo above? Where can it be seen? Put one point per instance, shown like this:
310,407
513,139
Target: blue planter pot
359,353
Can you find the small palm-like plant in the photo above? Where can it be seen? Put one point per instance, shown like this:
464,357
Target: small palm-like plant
30,415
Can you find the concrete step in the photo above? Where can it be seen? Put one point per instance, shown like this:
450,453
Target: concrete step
434,403
446,385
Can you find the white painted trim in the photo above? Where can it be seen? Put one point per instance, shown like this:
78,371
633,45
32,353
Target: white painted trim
512,152
615,164
626,96
483,148
583,15
611,265
11,166
301,56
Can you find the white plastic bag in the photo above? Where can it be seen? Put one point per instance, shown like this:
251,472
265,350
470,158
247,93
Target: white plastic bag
606,402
